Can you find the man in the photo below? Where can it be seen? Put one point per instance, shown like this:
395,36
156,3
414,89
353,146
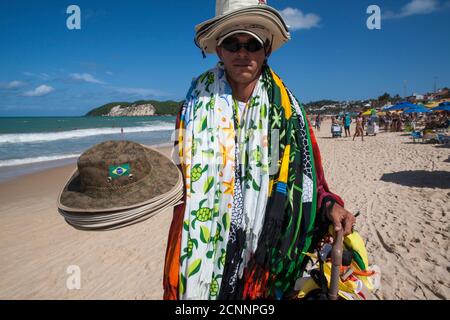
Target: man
347,122
248,215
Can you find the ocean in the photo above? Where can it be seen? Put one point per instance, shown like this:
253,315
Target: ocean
29,144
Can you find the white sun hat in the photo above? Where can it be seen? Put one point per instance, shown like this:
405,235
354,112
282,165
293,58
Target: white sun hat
253,17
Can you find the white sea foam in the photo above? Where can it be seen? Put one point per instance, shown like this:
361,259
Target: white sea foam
17,162
80,133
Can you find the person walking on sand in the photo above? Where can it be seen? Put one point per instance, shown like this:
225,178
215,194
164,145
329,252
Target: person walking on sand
317,122
347,122
229,238
359,127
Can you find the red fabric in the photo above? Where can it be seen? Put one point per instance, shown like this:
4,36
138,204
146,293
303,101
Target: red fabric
322,187
172,260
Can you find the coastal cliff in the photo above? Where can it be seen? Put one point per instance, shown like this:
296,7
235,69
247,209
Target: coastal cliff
131,111
136,109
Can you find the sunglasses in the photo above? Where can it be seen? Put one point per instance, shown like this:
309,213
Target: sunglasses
233,45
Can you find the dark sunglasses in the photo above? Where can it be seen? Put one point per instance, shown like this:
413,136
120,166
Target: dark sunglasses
233,45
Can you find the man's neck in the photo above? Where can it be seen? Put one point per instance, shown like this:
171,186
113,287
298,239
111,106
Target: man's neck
242,91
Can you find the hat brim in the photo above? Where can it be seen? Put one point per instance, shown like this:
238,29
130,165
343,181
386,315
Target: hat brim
165,178
254,35
120,219
209,32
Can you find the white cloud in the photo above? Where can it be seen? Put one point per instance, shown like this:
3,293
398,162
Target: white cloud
15,84
109,73
43,76
85,77
297,20
39,91
412,8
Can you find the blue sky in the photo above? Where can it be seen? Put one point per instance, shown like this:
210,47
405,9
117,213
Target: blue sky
136,49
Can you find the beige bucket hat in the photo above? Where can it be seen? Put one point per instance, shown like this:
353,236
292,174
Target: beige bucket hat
254,17
118,182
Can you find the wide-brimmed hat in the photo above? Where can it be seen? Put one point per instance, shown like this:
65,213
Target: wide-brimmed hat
254,17
117,182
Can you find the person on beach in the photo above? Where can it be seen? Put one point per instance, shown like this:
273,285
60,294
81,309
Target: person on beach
248,215
396,122
359,127
334,120
347,122
317,122
387,122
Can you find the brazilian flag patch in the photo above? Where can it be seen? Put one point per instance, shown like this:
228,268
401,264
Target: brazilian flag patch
119,171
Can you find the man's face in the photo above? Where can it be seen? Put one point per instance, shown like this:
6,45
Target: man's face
242,66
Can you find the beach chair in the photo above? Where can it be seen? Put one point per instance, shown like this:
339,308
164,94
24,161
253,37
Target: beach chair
416,135
336,130
372,128
443,138
430,136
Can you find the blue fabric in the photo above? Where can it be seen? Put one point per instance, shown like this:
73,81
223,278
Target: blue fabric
347,122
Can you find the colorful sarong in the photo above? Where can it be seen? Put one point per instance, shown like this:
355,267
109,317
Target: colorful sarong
279,197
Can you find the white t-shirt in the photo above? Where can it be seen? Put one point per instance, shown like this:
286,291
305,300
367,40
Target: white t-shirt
241,108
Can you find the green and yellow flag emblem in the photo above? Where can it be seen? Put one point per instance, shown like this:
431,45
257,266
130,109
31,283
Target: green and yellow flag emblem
119,171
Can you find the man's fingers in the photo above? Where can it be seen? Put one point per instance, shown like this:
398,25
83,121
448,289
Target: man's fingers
348,227
337,223
349,222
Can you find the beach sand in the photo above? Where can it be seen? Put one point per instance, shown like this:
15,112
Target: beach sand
402,190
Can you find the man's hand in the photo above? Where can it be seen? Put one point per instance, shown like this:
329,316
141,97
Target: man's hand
341,218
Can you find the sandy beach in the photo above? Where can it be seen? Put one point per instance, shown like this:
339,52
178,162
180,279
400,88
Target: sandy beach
401,188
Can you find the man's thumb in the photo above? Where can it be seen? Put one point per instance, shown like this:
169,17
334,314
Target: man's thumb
337,225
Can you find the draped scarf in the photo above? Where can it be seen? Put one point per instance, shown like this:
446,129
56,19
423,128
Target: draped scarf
277,194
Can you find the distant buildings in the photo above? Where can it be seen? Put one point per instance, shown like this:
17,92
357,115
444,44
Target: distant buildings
430,96
334,107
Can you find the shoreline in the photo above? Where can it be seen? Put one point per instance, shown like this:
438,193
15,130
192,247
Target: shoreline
8,173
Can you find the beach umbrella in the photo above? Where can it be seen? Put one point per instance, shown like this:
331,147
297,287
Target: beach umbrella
432,104
418,109
444,106
436,103
401,106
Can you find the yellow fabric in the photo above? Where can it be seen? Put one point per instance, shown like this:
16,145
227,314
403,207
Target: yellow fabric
285,164
356,243
347,289
270,187
286,104
307,287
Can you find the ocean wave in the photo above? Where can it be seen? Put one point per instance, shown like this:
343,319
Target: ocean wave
80,133
17,162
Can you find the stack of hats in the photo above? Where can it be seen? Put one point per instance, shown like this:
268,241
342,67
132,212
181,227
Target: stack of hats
253,17
118,183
